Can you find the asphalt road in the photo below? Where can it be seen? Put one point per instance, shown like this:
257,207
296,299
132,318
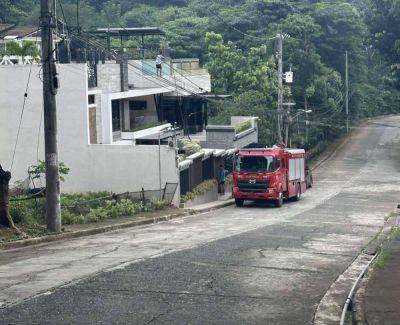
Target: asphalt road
253,265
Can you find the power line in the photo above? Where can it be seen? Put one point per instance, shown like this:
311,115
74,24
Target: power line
163,83
23,106
239,31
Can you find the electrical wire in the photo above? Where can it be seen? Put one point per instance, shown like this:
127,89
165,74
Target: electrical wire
23,107
238,30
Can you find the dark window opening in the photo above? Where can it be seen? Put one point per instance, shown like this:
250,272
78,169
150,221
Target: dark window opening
137,105
91,99
116,116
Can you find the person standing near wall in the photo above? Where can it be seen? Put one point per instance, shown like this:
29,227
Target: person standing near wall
222,179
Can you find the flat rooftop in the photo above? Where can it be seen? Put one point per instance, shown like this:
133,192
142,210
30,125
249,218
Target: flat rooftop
129,31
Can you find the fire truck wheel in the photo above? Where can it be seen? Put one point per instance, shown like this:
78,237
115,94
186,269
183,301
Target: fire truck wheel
239,202
279,202
298,193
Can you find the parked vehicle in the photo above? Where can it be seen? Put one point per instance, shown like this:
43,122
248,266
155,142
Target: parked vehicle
271,174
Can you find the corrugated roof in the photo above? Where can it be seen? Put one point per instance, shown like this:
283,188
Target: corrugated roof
129,31
19,31
4,27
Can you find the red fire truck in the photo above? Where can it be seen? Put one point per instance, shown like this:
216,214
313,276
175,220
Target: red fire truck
271,174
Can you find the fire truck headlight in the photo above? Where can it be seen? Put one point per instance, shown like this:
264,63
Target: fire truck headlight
235,189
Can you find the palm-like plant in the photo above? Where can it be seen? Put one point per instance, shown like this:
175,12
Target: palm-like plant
22,49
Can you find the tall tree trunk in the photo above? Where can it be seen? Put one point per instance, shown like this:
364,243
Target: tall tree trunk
5,218
4,214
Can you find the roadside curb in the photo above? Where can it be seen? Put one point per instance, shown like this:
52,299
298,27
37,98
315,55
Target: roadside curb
88,232
329,309
330,154
223,204
359,296
108,228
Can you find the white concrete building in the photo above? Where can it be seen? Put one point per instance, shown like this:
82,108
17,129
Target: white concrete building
94,125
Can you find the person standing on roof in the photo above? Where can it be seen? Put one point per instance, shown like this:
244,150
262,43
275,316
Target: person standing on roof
159,61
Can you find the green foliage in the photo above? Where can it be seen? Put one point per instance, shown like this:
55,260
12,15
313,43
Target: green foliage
22,49
250,103
28,211
199,190
37,171
190,147
82,208
233,39
145,126
243,126
381,259
232,70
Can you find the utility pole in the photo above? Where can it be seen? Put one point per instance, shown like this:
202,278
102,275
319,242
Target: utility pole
280,87
288,120
77,17
50,85
347,93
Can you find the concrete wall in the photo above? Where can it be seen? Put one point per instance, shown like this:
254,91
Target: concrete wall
93,167
225,137
108,77
220,136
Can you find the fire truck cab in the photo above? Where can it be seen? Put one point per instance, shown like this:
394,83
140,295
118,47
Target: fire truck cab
271,174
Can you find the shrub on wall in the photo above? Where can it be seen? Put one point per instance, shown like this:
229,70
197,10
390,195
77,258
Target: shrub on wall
199,190
243,126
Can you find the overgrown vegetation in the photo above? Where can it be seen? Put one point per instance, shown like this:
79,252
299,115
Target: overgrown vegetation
200,189
81,208
234,38
145,126
381,259
24,48
242,126
38,171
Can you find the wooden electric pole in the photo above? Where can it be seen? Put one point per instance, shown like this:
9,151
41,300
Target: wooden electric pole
347,93
280,87
50,85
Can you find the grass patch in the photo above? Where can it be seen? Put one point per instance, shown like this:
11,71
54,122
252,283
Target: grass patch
80,209
144,126
243,126
381,259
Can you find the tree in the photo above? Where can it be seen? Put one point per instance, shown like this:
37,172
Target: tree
22,49
384,22
5,218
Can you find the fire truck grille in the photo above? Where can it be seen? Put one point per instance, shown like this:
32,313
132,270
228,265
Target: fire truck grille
252,185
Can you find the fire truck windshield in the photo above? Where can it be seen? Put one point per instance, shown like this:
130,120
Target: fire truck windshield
255,164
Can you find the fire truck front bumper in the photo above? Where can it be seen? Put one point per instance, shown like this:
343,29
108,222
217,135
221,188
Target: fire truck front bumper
267,194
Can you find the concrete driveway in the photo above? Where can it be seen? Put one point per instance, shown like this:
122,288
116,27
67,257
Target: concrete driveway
255,264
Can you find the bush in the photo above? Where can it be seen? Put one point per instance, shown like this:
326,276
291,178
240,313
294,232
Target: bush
243,126
28,211
199,190
81,208
69,218
190,147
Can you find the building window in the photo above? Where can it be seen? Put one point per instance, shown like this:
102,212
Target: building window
91,99
116,116
137,105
